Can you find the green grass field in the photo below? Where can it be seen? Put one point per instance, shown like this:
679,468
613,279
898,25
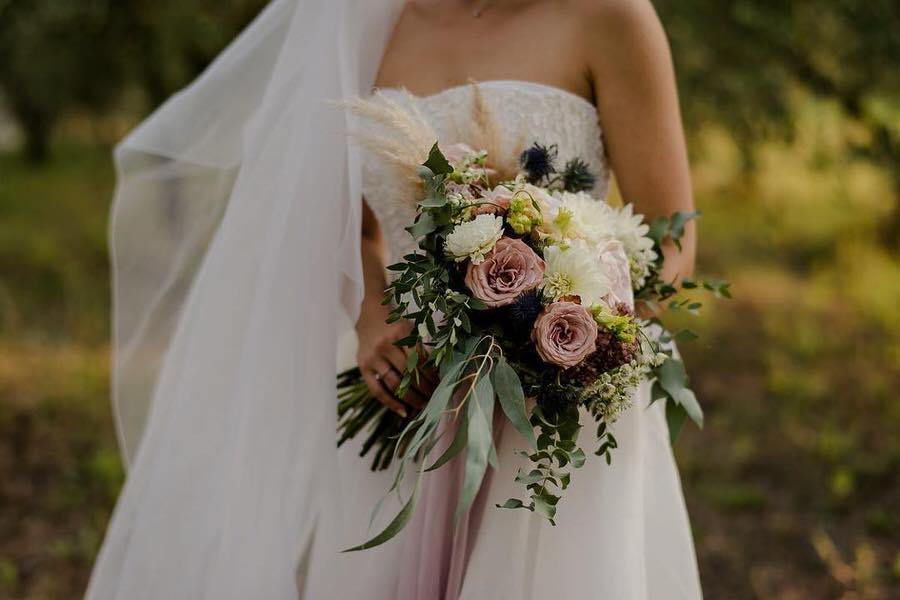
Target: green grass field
793,487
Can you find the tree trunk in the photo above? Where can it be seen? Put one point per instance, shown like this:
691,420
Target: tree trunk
37,145
37,125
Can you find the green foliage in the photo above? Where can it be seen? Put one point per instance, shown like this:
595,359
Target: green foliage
741,63
557,453
60,55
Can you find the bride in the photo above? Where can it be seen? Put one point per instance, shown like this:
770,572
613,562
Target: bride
249,235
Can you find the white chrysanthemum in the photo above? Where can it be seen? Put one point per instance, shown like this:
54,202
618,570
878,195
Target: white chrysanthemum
574,271
577,216
473,239
631,230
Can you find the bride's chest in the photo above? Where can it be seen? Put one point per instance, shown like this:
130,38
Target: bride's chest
515,114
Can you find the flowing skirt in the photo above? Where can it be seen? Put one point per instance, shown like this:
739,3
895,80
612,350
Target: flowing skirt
622,531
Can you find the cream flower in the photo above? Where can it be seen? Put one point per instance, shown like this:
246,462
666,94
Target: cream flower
589,219
631,230
473,239
576,216
574,271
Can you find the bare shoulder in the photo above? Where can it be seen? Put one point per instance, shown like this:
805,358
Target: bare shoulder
616,16
623,41
623,29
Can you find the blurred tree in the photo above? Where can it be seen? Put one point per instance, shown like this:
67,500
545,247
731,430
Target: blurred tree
740,61
55,54
58,54
171,41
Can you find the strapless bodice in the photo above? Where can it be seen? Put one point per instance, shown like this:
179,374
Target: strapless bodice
522,112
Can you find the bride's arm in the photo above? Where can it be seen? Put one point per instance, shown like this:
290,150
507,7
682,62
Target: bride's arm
634,82
379,360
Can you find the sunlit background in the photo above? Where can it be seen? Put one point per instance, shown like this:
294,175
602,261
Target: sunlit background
793,113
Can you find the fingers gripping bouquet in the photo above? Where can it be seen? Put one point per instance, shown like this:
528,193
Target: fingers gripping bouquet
522,296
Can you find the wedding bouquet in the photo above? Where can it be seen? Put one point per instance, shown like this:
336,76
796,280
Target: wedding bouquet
522,295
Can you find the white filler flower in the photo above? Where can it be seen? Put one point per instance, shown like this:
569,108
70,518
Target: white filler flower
473,239
574,271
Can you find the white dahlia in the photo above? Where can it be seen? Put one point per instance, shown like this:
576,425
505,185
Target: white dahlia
578,216
631,230
473,239
574,271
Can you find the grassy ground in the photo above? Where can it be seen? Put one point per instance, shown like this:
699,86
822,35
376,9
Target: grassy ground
58,464
793,487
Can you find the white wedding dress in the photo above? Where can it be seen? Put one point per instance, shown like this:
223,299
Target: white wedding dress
237,277
622,531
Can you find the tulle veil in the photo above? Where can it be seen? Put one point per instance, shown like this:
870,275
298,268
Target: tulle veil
235,245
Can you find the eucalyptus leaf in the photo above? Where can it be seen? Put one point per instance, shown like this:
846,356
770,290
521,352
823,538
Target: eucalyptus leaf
512,399
672,376
480,443
659,228
675,418
534,476
545,509
679,220
460,439
398,523
688,400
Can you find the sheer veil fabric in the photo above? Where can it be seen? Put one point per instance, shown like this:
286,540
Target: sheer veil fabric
235,244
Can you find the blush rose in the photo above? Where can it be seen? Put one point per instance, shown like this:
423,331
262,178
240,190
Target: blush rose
564,334
510,269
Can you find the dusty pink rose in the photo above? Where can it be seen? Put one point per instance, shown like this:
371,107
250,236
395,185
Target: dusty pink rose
565,334
456,152
496,202
508,270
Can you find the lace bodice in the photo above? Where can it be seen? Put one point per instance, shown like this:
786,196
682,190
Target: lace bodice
523,113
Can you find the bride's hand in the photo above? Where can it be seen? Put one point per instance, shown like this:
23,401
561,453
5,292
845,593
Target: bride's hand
382,363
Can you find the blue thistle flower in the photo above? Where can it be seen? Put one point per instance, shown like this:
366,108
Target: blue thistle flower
524,311
537,162
577,177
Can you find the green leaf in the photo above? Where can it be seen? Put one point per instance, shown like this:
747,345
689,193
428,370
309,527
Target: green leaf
657,393
398,523
460,439
412,359
679,220
688,401
512,399
683,336
672,378
659,228
577,457
675,418
437,162
424,225
545,509
534,476
512,503
480,444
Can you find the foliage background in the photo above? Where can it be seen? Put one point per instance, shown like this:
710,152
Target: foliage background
793,114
